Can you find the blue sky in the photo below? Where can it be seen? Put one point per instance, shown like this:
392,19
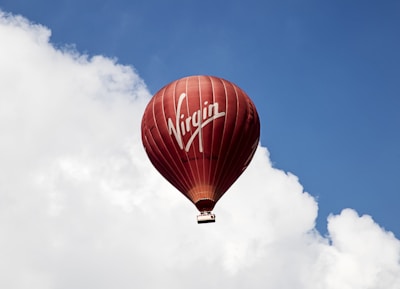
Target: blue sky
324,76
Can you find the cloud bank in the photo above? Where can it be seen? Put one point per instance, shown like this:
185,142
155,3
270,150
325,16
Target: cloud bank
82,207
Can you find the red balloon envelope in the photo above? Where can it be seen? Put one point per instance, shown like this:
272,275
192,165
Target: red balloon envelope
200,133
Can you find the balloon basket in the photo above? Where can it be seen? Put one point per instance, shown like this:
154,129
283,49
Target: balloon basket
206,217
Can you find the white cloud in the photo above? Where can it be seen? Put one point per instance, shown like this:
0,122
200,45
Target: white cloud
82,207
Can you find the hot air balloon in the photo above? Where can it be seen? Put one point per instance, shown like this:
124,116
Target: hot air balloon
201,132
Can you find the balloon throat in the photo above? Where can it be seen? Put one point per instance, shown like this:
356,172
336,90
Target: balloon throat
197,121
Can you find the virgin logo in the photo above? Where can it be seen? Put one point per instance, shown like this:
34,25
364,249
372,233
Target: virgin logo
197,121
